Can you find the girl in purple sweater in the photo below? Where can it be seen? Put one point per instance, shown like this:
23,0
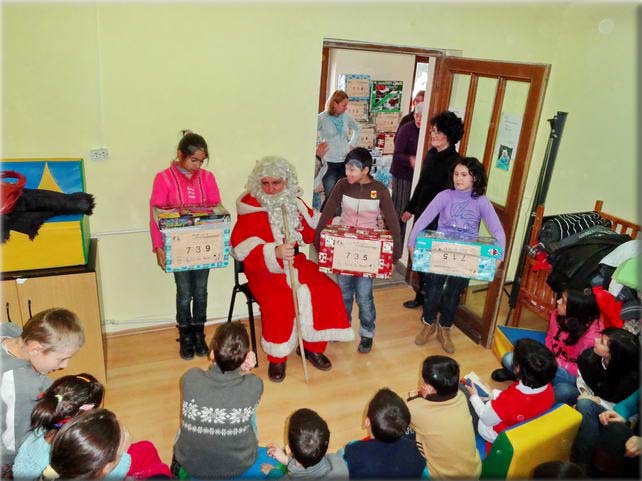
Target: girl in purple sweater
460,208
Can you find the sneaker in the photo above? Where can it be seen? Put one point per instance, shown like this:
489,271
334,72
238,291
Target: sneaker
365,345
502,374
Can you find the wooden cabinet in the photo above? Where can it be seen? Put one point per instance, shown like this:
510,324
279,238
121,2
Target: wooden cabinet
10,303
30,292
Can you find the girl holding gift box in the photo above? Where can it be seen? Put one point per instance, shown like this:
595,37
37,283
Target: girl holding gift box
332,128
184,182
462,207
362,199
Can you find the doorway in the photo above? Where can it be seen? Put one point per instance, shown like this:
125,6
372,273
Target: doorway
500,104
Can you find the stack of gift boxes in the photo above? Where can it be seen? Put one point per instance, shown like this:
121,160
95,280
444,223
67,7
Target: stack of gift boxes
376,105
194,237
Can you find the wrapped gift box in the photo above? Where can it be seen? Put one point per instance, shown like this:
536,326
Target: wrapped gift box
385,96
358,109
386,122
386,142
456,254
356,251
357,86
203,245
62,240
187,216
367,137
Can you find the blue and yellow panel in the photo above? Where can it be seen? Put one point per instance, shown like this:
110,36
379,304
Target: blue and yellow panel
61,241
505,338
519,449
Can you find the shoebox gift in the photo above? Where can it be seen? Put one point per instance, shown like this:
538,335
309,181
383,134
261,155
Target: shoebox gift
357,86
385,96
194,237
386,142
367,137
386,121
358,109
456,254
356,251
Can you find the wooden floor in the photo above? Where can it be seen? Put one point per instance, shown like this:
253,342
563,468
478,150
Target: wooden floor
143,371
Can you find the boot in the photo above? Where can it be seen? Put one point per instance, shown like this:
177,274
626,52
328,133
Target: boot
427,331
443,335
198,337
418,301
187,344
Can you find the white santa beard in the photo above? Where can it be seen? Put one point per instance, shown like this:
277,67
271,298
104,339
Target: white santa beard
273,205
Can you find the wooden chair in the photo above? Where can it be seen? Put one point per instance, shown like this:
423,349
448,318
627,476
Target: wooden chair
534,293
249,298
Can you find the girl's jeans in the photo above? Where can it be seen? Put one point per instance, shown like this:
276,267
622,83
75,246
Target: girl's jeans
444,291
564,385
361,288
191,286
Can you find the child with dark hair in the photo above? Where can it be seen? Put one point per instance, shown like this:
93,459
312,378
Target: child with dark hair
87,447
611,370
308,439
362,199
441,419
45,344
461,210
387,452
217,438
67,397
186,183
528,397
573,326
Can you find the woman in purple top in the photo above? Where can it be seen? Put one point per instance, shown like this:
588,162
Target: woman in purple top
460,208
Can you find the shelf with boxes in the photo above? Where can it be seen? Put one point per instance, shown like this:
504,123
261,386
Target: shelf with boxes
376,106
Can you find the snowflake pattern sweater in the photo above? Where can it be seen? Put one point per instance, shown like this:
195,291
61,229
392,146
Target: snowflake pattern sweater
216,439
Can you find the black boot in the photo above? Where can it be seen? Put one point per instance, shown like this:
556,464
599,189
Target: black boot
187,344
198,335
418,301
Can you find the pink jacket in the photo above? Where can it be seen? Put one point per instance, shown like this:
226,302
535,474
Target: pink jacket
567,355
173,188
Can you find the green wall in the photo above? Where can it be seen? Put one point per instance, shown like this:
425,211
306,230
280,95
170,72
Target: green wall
246,76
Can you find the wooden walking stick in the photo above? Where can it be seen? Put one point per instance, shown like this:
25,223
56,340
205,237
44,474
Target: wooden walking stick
294,285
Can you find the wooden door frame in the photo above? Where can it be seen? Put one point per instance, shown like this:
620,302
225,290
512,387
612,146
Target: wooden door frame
367,46
537,76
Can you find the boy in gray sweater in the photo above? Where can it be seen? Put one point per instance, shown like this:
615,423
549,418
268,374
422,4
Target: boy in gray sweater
308,439
217,439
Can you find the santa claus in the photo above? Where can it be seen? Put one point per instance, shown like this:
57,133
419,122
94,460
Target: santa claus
258,240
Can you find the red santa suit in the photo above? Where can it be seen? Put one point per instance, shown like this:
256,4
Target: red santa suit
321,310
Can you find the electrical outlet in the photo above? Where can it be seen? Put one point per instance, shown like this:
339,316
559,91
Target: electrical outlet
99,154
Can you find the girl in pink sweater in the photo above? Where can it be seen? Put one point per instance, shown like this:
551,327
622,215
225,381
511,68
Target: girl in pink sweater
573,327
184,182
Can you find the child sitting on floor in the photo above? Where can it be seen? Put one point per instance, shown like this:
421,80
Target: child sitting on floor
308,439
531,395
441,420
46,343
574,325
386,453
89,446
217,438
67,397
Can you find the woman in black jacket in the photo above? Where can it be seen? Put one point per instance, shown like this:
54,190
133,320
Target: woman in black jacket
446,129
